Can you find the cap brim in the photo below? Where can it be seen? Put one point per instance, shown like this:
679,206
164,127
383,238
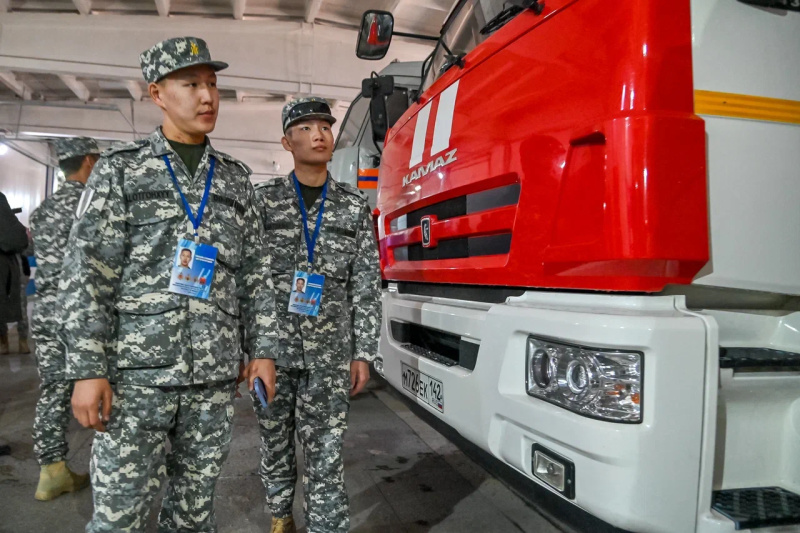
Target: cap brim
216,65
311,116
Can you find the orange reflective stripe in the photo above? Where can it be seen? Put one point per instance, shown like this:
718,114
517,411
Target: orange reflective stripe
745,106
368,172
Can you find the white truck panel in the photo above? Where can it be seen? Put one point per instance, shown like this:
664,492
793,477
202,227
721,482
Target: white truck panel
753,166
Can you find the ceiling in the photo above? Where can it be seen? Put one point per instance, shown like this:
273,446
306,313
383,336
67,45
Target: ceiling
416,16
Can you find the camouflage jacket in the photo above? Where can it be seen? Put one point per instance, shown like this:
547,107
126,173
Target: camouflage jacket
50,225
348,325
120,320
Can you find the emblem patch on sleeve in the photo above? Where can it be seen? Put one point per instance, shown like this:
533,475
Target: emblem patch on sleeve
84,202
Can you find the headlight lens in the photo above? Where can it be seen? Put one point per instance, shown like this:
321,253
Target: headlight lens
595,382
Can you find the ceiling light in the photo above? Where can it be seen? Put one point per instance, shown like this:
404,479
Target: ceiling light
3,149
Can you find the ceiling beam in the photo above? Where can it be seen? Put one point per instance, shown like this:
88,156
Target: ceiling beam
394,6
84,7
77,87
20,89
323,62
312,10
163,7
135,89
239,7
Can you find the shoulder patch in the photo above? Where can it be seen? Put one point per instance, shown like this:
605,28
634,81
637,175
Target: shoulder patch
231,159
123,147
346,187
273,182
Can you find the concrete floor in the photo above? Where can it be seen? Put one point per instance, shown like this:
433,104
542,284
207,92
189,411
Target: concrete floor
402,475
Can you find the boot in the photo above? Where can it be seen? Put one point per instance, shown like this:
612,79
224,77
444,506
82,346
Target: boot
283,525
56,479
3,344
23,345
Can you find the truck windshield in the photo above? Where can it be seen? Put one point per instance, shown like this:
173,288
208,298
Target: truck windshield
462,33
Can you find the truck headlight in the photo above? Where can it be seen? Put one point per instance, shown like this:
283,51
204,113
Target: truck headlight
594,382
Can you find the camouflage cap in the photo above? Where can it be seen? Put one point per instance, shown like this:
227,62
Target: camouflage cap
75,146
174,54
305,109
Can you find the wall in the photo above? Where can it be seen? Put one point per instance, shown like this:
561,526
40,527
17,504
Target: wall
22,179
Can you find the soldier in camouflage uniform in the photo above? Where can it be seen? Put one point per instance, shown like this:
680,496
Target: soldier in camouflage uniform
324,359
169,360
50,226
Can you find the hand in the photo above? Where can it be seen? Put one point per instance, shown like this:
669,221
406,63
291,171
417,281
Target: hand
264,369
88,397
359,375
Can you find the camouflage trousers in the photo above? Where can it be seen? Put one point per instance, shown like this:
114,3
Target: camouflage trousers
128,463
316,404
22,325
53,407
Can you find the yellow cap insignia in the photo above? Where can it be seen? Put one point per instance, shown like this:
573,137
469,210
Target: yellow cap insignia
194,50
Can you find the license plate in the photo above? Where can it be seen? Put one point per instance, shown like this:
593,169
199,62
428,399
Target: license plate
424,387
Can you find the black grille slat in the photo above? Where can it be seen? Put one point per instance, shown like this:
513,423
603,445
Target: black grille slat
428,354
456,248
758,507
444,348
751,358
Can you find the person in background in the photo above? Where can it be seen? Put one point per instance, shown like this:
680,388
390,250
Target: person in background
13,240
22,324
51,223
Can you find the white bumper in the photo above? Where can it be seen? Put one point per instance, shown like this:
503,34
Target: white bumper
640,477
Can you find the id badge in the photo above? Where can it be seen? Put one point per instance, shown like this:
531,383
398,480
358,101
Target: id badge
193,269
306,294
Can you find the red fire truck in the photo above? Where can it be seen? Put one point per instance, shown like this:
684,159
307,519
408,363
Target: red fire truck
589,234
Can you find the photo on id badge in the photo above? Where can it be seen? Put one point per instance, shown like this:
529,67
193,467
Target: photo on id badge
306,294
193,269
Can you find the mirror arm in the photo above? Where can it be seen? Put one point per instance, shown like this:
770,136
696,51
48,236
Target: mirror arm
416,36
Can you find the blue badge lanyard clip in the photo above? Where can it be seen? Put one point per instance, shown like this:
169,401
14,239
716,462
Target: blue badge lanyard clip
311,241
195,220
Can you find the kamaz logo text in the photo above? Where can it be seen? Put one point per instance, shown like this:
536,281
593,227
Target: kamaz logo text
442,128
424,170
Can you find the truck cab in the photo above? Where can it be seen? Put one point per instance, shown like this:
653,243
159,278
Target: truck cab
357,153
588,232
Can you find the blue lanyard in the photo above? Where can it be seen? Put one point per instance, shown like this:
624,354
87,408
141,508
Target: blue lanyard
311,241
195,220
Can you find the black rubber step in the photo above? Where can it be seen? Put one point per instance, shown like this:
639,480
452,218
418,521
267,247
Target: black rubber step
757,358
758,507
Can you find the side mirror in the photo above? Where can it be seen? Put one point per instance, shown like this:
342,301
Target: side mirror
377,88
375,35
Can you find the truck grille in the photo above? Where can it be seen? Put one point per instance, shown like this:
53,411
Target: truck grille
459,235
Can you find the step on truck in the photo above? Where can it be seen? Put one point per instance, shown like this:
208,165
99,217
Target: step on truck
589,227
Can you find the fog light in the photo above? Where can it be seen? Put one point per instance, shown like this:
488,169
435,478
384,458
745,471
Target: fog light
554,470
549,471
378,364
